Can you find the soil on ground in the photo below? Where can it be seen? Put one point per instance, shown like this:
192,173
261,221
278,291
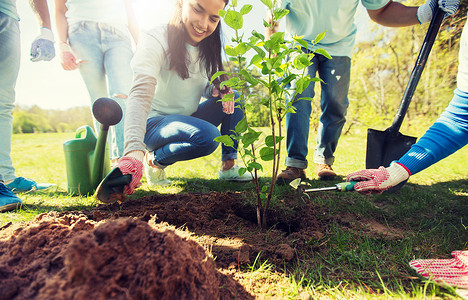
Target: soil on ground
184,246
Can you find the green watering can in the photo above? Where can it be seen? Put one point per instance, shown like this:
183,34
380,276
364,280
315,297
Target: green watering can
86,158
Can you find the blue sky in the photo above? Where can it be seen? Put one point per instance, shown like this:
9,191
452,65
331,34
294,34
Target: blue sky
48,86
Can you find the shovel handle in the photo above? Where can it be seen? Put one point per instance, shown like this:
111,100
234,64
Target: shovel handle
426,47
346,186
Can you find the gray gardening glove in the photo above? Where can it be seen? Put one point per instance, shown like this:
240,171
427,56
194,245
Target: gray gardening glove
427,10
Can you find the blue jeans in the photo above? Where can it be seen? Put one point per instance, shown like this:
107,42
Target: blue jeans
9,67
175,138
333,103
107,52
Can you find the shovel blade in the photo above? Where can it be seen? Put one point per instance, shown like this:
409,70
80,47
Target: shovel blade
383,147
295,183
112,186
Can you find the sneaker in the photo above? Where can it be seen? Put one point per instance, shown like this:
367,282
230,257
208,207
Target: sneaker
233,175
288,175
156,176
8,200
22,185
325,172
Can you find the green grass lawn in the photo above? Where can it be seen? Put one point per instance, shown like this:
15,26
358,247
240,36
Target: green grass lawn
430,211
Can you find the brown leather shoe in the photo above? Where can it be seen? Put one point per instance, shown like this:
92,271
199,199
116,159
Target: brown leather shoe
325,172
288,175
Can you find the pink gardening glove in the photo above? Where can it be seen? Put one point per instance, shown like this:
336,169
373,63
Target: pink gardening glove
131,165
375,181
228,106
452,271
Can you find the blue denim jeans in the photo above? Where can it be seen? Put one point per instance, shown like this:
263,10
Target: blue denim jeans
106,72
333,103
175,138
9,67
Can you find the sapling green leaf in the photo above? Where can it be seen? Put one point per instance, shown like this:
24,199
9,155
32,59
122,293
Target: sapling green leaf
217,74
258,35
234,20
242,171
319,37
256,59
280,13
267,153
268,3
250,137
242,48
246,9
227,97
225,139
231,51
255,165
323,52
248,77
269,141
241,127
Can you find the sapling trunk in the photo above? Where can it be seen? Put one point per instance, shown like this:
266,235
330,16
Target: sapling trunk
280,62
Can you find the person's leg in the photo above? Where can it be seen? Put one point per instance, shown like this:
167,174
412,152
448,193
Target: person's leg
176,138
117,56
334,104
85,40
211,111
297,131
9,67
297,124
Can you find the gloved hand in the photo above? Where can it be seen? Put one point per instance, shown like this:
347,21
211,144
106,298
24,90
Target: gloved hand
131,165
228,106
376,181
425,11
68,60
42,48
452,271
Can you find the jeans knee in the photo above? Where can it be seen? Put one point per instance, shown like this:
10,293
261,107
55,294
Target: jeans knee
207,143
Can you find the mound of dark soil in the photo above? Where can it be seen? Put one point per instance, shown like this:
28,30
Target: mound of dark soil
69,257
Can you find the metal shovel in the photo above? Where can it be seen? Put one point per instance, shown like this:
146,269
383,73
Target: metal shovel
340,187
383,147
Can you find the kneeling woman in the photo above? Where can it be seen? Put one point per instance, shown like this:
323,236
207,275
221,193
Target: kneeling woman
172,67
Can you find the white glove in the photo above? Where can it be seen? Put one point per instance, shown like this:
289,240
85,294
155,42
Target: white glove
426,11
42,48
375,181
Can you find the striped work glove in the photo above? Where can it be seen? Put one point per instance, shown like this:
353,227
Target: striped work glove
133,166
375,181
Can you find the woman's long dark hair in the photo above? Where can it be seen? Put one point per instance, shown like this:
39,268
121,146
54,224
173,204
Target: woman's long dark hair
210,47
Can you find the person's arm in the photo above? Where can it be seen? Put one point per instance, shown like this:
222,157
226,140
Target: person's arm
41,10
68,60
42,47
396,14
137,111
61,20
132,22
